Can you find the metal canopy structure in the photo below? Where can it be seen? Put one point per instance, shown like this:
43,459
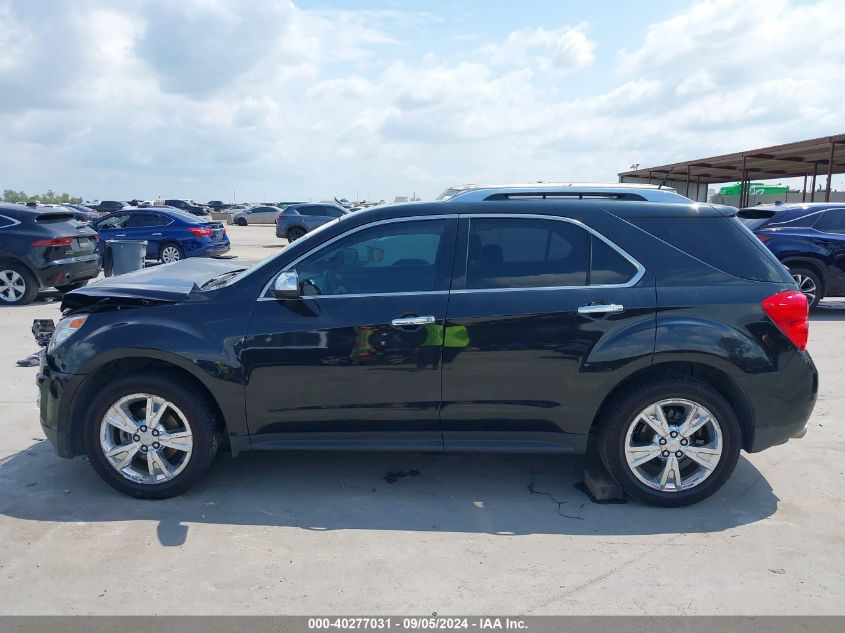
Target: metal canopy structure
808,159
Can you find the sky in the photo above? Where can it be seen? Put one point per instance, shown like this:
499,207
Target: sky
275,100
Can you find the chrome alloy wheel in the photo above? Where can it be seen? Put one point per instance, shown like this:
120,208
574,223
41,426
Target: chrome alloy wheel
806,285
146,438
170,254
673,445
12,286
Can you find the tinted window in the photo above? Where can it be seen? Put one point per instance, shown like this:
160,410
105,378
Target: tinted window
114,222
607,266
529,253
724,243
143,220
393,257
833,221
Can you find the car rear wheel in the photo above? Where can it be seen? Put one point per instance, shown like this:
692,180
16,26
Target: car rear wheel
171,253
18,286
241,221
671,443
151,436
808,283
295,233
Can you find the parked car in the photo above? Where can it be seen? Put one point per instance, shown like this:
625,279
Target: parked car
504,326
217,205
809,239
296,220
285,205
108,206
260,214
187,205
614,191
170,234
81,212
44,247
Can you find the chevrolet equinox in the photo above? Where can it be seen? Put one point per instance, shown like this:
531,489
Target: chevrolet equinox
664,333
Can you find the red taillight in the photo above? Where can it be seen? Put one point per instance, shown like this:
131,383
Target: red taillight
789,311
200,232
57,241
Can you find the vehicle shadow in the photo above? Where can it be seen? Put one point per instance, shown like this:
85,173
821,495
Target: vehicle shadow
828,310
475,493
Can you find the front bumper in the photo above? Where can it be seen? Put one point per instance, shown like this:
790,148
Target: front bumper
55,393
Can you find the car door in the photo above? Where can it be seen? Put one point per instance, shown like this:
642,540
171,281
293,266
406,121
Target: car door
535,307
356,360
147,227
829,234
263,215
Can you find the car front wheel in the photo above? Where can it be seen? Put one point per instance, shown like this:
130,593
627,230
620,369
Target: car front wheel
241,221
151,436
671,443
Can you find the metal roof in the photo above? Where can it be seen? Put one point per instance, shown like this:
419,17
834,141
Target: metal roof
790,160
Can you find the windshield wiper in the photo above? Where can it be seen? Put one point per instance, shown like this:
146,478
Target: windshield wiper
220,280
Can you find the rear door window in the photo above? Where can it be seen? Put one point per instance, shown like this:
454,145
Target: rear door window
143,220
526,253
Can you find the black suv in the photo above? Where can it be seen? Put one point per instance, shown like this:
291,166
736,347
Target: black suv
809,239
665,333
187,205
43,247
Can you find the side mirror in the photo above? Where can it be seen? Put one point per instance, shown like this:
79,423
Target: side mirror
286,285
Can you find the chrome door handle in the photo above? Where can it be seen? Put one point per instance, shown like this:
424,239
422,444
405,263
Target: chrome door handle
600,308
121,235
155,233
414,320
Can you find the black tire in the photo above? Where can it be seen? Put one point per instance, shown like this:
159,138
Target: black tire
241,221
168,248
295,233
73,286
18,286
808,280
200,416
627,406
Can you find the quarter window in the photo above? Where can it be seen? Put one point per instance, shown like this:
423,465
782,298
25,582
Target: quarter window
833,221
393,257
607,266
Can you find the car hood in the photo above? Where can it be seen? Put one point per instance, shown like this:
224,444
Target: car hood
166,283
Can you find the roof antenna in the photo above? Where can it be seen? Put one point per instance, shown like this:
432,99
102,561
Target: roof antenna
666,177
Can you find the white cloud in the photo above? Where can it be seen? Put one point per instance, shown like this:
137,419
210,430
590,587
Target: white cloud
188,99
562,51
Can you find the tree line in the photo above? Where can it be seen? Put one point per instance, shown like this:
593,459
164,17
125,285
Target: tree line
50,197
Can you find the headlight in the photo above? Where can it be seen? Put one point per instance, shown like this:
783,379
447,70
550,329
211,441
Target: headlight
65,329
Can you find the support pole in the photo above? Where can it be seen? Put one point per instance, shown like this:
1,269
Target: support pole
686,192
829,171
804,190
743,190
813,188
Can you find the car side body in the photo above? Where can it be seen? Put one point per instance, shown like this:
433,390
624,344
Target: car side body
809,239
170,234
298,219
258,214
448,329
